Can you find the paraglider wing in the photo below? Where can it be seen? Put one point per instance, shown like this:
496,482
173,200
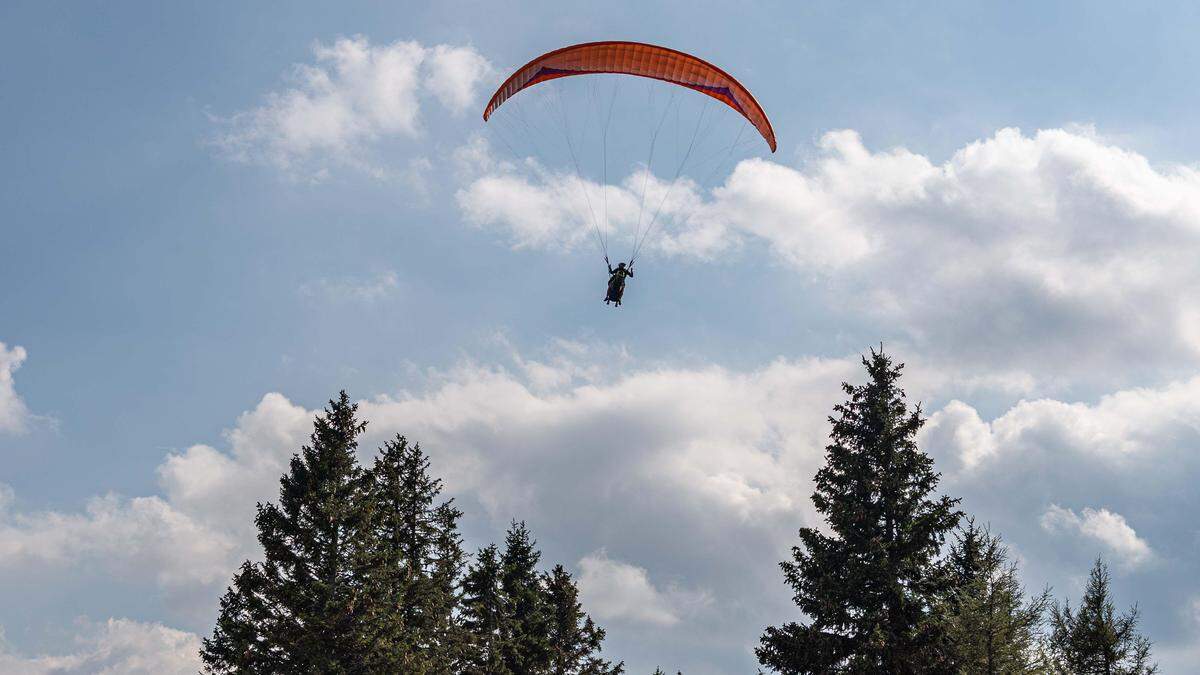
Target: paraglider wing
643,60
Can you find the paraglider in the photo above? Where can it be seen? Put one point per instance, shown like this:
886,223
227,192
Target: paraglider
621,58
616,281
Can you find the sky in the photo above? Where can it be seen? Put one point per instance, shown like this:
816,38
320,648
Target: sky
216,216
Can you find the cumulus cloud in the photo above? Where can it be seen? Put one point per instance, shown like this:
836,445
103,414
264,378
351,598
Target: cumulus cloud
133,538
192,536
353,96
676,458
1073,248
116,647
616,590
221,487
1127,459
727,441
538,207
1117,428
454,74
1103,526
14,416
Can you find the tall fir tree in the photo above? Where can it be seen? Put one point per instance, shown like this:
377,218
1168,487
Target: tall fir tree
1095,640
868,587
484,614
415,558
990,627
449,631
526,632
575,640
302,608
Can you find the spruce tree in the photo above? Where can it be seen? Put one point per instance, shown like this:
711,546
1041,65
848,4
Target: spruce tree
449,631
526,632
363,572
415,558
484,614
302,608
990,627
869,585
1095,640
575,640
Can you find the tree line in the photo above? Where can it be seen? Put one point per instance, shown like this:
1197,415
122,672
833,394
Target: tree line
883,591
364,571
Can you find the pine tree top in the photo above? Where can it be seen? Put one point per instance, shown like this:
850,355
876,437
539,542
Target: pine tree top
1095,639
867,585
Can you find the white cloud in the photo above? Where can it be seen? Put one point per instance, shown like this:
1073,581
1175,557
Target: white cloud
14,416
191,536
116,647
536,207
1119,427
957,426
221,488
454,74
615,590
1079,251
131,538
1104,526
726,441
354,96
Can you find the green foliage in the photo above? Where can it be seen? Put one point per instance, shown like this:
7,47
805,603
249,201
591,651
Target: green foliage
364,572
1095,640
525,634
574,638
989,626
414,558
485,614
302,609
524,621
869,586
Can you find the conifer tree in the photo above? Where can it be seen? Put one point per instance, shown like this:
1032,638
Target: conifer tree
990,627
414,561
1095,640
363,572
484,614
450,634
302,609
869,585
575,640
526,632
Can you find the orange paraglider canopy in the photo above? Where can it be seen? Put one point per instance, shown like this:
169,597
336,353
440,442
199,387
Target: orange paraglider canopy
643,60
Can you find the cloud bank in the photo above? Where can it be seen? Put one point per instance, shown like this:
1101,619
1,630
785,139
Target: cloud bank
687,455
1056,252
115,647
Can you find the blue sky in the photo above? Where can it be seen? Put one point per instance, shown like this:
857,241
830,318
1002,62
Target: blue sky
195,258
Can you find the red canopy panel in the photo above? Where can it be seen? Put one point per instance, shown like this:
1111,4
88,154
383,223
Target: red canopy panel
643,60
